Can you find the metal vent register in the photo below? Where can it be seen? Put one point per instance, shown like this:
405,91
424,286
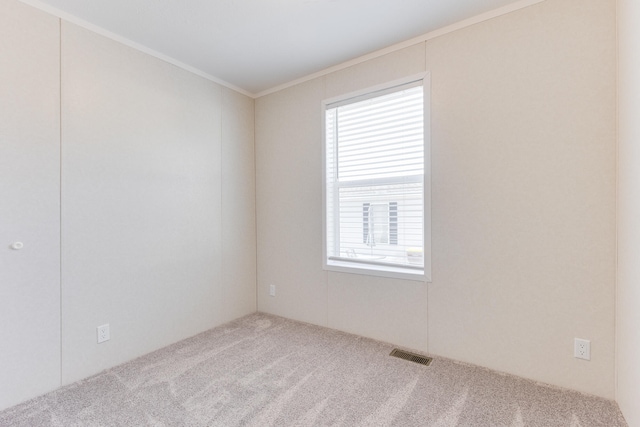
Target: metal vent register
411,357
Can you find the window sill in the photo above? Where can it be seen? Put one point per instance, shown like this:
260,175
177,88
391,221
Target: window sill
398,272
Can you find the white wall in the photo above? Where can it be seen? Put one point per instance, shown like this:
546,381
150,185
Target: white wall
238,221
391,310
29,202
628,301
156,199
143,195
524,193
523,205
289,211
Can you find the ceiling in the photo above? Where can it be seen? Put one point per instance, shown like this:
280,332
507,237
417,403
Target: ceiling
256,45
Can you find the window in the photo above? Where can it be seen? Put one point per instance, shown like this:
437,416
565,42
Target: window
375,182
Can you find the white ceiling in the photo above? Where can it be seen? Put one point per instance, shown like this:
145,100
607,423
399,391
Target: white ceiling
259,44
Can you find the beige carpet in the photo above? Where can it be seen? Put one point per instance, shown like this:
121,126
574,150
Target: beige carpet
268,371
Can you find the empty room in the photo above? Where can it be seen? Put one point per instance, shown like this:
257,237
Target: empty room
320,213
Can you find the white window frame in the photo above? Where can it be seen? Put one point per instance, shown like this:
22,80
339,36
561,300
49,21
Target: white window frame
371,269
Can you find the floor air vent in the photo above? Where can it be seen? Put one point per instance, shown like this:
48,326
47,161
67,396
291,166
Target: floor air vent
412,357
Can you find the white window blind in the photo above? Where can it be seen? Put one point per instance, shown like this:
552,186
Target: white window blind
375,180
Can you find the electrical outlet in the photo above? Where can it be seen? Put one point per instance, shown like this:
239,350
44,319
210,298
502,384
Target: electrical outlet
582,349
272,290
103,333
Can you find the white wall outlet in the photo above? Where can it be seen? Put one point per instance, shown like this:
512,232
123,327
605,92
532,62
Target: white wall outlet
103,333
582,349
272,290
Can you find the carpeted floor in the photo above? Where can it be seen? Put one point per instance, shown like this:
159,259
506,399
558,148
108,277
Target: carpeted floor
263,370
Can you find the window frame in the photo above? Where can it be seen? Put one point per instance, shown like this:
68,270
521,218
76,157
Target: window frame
368,268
